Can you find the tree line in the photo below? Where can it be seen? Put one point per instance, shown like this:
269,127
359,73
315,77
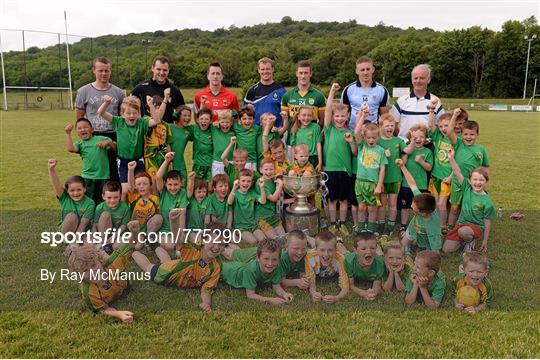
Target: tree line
467,63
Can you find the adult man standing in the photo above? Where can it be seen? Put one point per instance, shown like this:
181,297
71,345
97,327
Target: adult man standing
215,96
365,91
156,86
304,94
265,96
412,109
89,99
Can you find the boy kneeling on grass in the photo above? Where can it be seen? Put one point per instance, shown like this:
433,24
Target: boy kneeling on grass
197,266
261,271
99,287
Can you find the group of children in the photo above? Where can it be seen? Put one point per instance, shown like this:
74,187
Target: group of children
369,169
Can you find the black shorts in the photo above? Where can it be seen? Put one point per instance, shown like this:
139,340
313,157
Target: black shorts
314,160
405,197
340,186
153,271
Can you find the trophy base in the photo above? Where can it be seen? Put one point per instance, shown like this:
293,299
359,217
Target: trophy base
309,221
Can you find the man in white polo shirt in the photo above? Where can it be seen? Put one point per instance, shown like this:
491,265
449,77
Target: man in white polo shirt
411,109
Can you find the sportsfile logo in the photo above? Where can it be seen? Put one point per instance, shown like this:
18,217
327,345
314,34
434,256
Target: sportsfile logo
204,236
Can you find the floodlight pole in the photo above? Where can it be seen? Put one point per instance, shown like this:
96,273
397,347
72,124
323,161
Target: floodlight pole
529,40
3,73
68,63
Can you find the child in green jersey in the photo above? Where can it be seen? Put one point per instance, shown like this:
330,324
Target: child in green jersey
397,269
243,199
370,172
339,148
203,146
419,161
221,136
101,284
477,212
267,218
130,132
301,165
247,135
76,209
468,155
173,204
364,265
393,148
426,280
263,270
269,133
94,154
181,135
305,131
197,193
441,176
475,269
240,159
424,230
218,209
111,214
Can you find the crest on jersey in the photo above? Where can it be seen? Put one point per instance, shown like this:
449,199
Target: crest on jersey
311,101
225,102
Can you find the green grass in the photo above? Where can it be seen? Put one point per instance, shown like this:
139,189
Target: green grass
38,319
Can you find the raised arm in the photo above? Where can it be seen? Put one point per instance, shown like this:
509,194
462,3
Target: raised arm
431,116
328,111
407,174
131,175
230,199
69,141
262,197
352,144
285,125
359,126
228,149
190,184
102,111
455,167
277,194
55,181
159,176
451,131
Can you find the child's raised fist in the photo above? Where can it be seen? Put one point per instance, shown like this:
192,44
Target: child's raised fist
106,99
419,158
132,165
166,93
387,152
457,112
169,156
51,163
191,175
68,129
451,153
261,182
236,183
284,114
335,86
348,137
399,162
364,109
233,140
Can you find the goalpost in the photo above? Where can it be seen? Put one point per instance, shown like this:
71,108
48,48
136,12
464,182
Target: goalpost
29,88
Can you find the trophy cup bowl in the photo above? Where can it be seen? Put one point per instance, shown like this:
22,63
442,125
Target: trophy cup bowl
301,215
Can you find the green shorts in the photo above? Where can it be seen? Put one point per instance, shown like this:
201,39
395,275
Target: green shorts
456,194
247,228
202,171
364,191
269,222
391,188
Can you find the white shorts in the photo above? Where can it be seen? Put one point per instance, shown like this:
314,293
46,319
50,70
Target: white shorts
251,166
217,168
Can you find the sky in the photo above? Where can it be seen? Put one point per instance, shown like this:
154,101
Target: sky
97,17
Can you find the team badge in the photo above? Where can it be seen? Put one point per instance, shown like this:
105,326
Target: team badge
311,101
274,96
215,102
225,102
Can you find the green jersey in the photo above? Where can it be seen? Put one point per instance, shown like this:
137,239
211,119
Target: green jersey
357,272
469,158
130,138
167,202
95,160
202,146
119,216
417,171
441,167
309,135
244,209
268,209
426,231
337,155
475,208
249,276
292,100
221,140
245,255
195,213
405,273
436,288
396,145
247,139
83,208
370,159
218,208
289,268
232,173
180,138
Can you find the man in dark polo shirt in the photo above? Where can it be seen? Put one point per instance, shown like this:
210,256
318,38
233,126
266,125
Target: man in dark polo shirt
156,86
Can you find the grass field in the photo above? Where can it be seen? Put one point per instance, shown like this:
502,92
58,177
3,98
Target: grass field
38,319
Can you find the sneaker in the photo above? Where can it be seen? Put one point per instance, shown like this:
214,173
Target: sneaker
344,231
108,249
281,239
468,247
356,229
402,231
383,240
